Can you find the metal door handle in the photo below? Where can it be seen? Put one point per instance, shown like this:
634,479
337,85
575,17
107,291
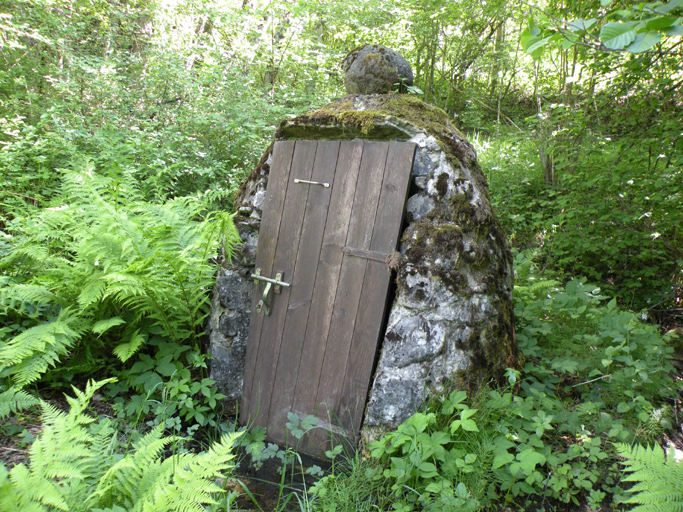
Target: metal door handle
274,284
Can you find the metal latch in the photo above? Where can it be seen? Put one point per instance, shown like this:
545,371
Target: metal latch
326,185
274,284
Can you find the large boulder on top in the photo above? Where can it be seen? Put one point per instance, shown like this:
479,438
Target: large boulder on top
375,69
450,321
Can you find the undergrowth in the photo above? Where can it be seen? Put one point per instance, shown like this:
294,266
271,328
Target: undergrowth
595,377
79,463
103,276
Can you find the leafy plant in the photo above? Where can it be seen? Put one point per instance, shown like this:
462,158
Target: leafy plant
658,477
103,273
75,465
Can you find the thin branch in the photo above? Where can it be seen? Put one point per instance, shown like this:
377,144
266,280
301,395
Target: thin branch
7,449
34,199
592,380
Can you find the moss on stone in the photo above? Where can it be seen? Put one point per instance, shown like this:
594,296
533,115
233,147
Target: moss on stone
379,116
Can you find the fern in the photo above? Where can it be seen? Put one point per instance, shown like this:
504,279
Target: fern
104,254
14,400
659,478
31,353
70,469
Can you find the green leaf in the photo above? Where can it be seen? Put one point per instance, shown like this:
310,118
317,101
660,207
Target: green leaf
644,42
581,24
166,368
670,6
124,351
617,35
529,458
502,460
105,325
529,35
661,22
676,30
623,407
469,425
537,47
467,413
427,467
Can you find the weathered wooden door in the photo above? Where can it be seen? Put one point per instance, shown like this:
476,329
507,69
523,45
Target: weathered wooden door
331,217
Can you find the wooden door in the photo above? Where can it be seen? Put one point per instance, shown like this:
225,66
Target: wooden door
331,217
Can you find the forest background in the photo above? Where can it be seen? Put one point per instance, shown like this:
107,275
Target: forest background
126,128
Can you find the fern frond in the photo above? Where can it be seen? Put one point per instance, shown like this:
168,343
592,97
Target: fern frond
17,296
30,492
125,351
32,352
659,478
540,286
72,470
14,400
93,290
192,483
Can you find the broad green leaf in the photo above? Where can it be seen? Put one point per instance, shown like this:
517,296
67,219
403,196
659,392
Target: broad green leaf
676,30
461,491
529,458
428,467
437,487
529,36
644,42
661,22
537,48
166,368
469,425
568,42
581,24
502,459
623,407
617,35
467,413
670,6
605,3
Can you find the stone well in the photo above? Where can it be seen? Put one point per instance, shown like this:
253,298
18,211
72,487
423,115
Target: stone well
450,318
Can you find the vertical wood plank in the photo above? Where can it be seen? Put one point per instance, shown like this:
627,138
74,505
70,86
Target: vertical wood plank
285,254
301,294
319,343
375,285
351,276
326,280
273,206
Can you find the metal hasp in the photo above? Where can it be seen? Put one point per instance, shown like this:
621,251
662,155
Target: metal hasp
274,284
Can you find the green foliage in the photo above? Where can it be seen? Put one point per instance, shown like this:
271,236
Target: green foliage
617,228
102,274
595,376
348,489
75,465
636,29
14,400
430,460
659,478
